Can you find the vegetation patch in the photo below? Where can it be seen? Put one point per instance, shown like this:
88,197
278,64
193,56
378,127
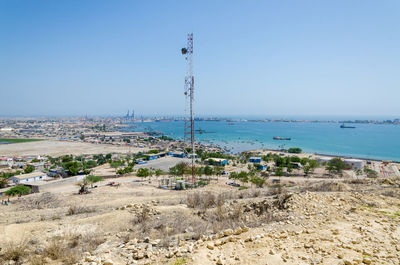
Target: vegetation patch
19,140
18,190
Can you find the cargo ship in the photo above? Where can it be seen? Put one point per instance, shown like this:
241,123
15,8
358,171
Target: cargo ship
343,126
281,138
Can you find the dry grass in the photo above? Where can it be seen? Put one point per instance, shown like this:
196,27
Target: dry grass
327,186
37,260
72,210
55,249
14,251
45,200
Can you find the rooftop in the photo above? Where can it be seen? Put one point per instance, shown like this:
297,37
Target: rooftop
30,175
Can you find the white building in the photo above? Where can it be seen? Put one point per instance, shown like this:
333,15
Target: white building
29,178
355,163
324,159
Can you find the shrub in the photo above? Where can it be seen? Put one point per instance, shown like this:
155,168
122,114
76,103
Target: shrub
18,190
370,173
79,209
143,172
179,261
294,150
116,163
336,165
55,250
94,179
14,251
29,169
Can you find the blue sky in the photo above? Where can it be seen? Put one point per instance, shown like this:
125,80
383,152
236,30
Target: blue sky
251,57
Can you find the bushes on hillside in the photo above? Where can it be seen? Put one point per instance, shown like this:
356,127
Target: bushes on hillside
18,190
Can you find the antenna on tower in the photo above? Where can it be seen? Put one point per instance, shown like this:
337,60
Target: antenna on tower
189,95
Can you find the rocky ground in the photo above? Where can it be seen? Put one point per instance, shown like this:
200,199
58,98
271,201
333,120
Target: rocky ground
353,222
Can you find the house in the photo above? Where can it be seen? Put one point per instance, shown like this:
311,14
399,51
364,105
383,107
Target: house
6,161
355,163
255,159
28,178
219,161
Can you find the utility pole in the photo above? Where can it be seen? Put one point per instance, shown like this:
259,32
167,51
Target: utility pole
189,95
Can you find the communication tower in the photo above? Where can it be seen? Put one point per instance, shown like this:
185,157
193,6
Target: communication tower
189,112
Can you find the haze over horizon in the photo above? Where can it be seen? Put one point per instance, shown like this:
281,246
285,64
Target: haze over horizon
267,58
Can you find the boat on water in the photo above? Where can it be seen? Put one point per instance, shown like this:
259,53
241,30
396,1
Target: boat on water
343,126
281,138
201,131
231,123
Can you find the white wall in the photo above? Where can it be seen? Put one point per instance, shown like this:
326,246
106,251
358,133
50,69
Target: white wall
30,180
355,164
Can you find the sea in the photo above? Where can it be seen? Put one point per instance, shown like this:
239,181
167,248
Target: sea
369,141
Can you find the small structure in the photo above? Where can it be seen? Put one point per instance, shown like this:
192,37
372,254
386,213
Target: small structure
255,159
6,161
355,163
297,165
324,159
219,161
29,178
262,167
152,156
178,154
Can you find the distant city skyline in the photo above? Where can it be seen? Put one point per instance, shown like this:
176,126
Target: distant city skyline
259,58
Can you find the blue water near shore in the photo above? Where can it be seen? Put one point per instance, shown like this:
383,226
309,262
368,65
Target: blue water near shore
365,141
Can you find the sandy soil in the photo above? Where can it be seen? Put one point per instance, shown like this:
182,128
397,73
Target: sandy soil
57,148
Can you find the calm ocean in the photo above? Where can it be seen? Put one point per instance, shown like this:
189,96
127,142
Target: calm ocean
366,140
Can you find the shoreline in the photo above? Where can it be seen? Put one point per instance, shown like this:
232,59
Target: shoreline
319,154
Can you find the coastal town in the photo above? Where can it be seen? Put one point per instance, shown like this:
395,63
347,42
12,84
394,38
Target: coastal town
62,176
199,132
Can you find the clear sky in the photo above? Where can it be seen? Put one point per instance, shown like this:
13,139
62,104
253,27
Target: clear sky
282,57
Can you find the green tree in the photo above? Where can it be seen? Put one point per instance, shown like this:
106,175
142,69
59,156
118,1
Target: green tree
243,177
90,164
73,167
306,169
180,169
279,171
208,171
313,164
159,172
29,169
336,166
116,163
143,172
294,150
259,182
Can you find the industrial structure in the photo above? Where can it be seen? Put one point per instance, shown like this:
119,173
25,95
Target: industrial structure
131,117
189,111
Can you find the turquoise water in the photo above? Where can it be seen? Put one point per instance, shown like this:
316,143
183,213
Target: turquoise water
366,140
